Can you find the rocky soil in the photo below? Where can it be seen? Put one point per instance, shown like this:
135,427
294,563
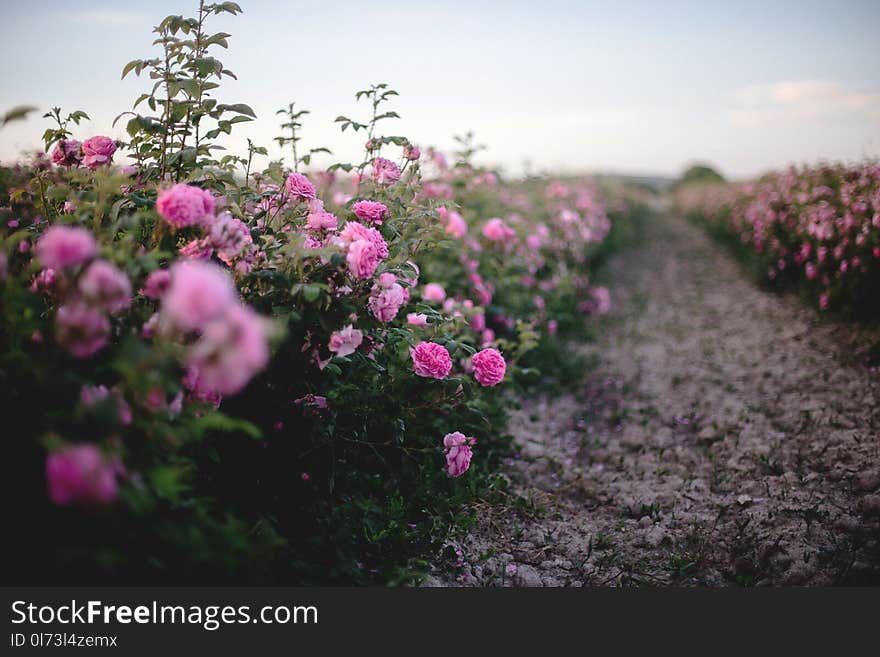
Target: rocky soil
726,436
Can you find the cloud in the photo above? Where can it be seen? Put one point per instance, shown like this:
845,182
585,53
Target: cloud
801,100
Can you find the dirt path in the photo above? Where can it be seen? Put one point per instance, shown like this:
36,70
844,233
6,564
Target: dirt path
727,436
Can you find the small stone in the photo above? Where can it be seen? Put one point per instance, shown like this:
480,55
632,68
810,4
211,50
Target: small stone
707,435
527,576
867,482
654,536
645,522
870,505
533,449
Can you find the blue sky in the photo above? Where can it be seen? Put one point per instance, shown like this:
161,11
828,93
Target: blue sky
584,86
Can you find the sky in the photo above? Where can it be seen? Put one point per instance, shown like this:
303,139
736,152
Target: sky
565,86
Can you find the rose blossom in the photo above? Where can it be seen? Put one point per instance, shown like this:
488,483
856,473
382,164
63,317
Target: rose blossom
196,250
362,259
357,231
199,292
386,298
497,231
67,152
370,211
322,220
185,205
345,341
417,319
65,246
156,284
458,451
300,187
230,351
44,281
489,367
455,223
98,151
81,475
81,329
230,237
431,360
385,172
106,286
198,391
433,292
411,152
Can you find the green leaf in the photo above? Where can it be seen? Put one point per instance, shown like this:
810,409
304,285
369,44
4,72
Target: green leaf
220,422
131,66
168,482
17,113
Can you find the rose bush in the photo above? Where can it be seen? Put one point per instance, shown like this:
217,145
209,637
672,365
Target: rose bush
813,228
215,372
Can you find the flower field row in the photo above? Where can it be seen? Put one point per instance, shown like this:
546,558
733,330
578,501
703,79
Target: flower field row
215,370
816,228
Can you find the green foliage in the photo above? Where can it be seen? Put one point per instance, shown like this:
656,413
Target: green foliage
700,174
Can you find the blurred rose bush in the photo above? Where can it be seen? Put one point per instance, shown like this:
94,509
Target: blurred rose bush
814,228
218,372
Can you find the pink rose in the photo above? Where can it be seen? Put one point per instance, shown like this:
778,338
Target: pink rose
385,172
362,259
497,231
386,298
417,319
65,246
229,237
81,329
231,350
411,152
199,292
431,360
433,292
67,152
196,250
198,391
346,341
98,151
105,286
489,367
322,220
185,205
355,231
82,475
300,187
455,223
371,211
458,451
